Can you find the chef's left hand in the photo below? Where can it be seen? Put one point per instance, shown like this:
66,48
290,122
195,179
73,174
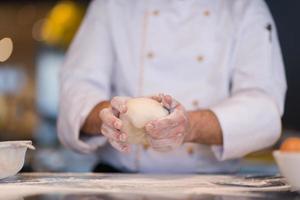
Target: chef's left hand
169,132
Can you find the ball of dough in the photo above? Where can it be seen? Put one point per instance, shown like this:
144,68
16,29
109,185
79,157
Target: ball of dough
140,111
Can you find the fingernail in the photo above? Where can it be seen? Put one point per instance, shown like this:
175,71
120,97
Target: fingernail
123,137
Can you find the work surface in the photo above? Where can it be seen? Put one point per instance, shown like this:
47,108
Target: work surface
134,186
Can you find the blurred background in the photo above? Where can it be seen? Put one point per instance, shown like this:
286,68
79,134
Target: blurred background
36,35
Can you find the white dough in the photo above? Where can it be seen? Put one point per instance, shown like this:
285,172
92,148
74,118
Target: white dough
140,111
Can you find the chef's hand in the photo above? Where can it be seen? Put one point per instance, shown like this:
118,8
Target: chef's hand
111,124
169,132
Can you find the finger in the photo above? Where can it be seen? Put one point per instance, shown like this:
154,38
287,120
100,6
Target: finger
157,97
114,134
110,119
161,133
167,133
119,146
119,104
115,112
167,101
110,132
176,118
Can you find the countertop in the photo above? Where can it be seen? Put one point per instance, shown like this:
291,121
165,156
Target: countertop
85,186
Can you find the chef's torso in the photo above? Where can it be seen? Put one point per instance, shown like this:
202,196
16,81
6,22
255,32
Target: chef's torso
178,47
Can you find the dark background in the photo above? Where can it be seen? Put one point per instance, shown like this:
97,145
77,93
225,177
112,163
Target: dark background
287,15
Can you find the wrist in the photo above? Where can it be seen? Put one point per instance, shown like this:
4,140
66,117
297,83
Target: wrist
190,135
92,124
204,128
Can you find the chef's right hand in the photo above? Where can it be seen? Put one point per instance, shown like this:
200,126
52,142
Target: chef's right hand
111,124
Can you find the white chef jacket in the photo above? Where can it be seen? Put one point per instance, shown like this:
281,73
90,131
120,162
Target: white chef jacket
221,55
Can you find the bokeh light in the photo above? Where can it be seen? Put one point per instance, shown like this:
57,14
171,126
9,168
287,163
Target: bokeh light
37,30
6,48
61,24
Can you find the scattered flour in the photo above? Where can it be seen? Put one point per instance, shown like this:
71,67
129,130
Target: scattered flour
173,186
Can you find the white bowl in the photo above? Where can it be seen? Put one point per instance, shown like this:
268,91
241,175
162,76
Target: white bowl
12,156
289,166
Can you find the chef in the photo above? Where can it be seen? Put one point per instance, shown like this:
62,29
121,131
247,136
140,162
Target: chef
216,65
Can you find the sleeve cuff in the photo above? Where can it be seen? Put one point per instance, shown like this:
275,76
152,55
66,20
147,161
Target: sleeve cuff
249,122
222,152
69,126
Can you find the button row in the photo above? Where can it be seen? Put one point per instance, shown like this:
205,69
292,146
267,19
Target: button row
156,12
205,13
150,55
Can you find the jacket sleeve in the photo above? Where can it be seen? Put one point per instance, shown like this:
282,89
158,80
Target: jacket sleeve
251,117
85,78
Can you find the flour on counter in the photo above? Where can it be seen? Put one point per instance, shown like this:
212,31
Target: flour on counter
178,186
